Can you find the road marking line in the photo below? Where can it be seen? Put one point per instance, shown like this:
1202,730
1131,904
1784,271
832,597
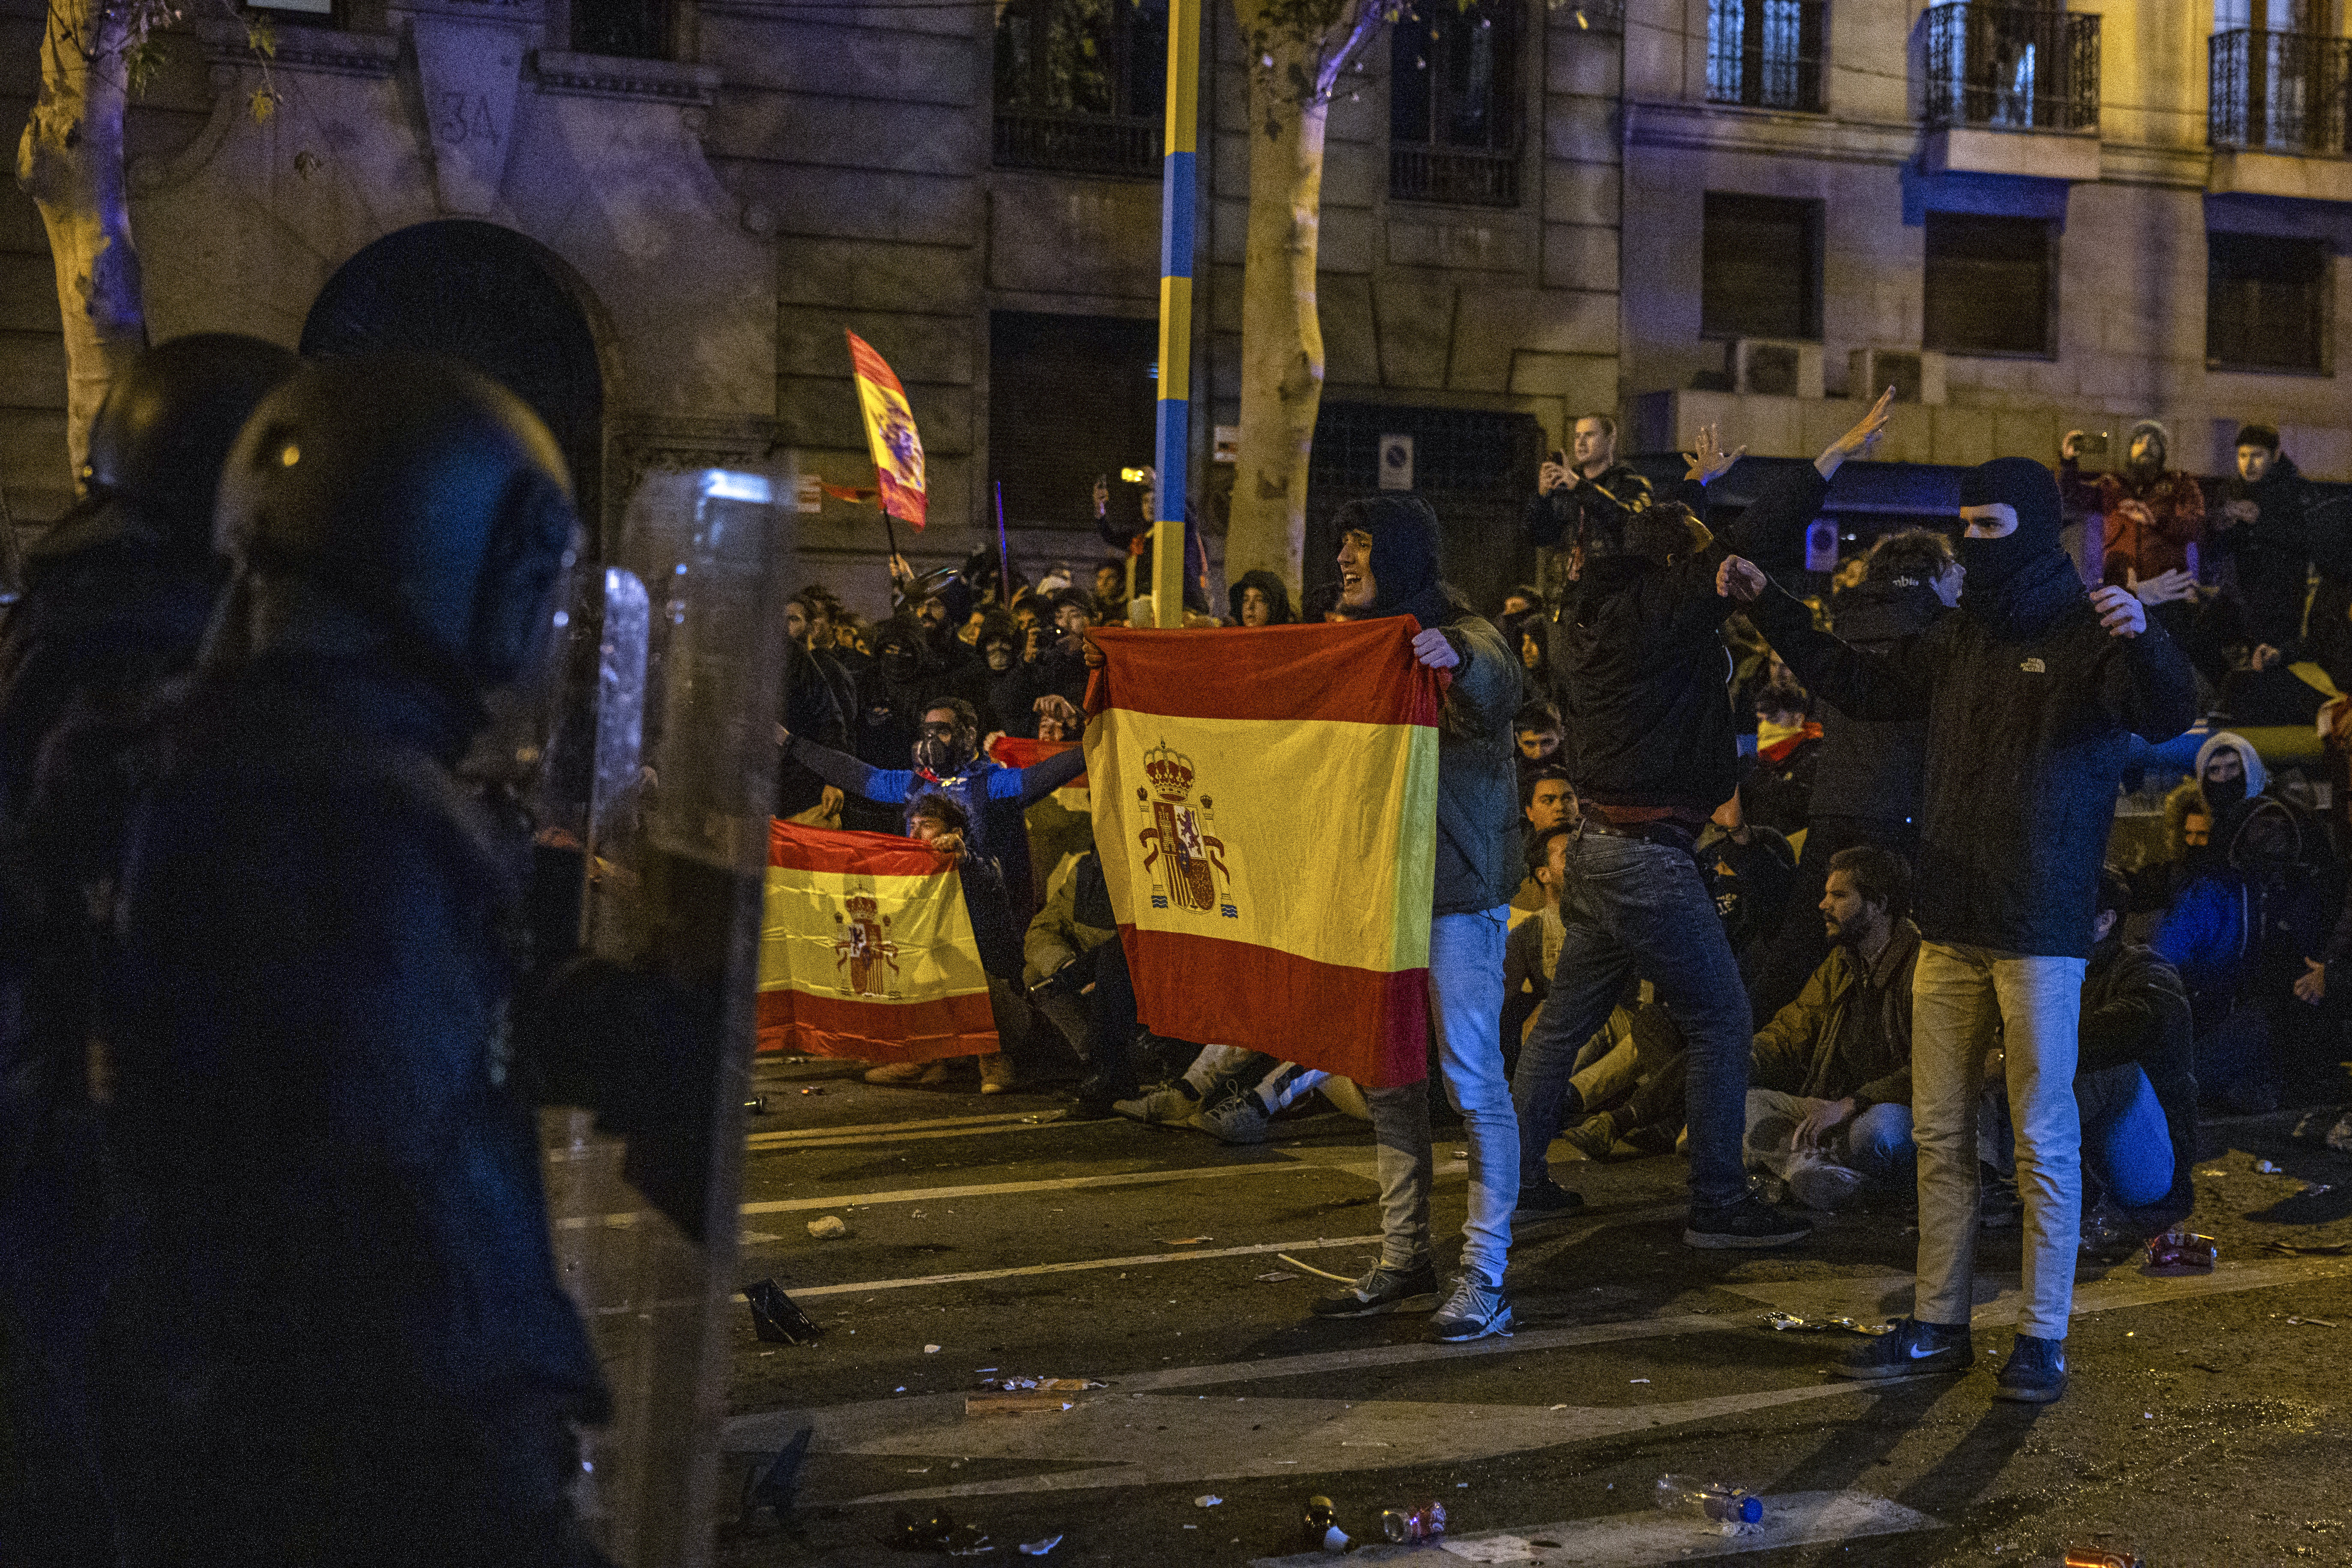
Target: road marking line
1639,1540
1868,1296
1046,1185
1082,1266
997,1119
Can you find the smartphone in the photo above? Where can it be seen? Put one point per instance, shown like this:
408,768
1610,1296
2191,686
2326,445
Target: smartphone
1559,457
1135,476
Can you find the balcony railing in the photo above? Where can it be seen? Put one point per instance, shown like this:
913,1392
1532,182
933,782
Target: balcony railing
1127,145
1460,176
2014,66
1766,54
2280,93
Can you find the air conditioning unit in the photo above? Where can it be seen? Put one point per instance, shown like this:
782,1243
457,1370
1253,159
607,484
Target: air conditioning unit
1915,375
1769,367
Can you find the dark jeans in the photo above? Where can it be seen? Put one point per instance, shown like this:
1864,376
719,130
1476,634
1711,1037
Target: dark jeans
1633,908
1797,948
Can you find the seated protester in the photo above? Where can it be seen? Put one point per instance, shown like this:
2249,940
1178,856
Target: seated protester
1058,950
1533,946
1536,727
1054,664
1547,801
947,760
1778,788
1233,1094
2135,1074
1750,873
1653,1057
2243,934
1829,1097
1259,599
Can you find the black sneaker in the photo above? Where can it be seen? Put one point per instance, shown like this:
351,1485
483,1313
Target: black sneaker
1594,1137
1747,1223
2035,1372
1545,1200
1384,1289
1912,1348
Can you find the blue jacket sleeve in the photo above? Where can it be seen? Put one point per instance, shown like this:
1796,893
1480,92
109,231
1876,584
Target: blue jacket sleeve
1035,782
844,772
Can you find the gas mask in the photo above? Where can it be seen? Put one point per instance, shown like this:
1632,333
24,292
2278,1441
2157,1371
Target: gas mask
942,750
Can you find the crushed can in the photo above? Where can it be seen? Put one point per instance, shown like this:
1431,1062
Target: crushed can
1412,1526
2182,1252
2100,1557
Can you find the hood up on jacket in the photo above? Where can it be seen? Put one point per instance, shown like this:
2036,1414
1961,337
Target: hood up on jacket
1269,585
2256,779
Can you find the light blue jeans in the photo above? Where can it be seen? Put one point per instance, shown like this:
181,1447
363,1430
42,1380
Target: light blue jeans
1466,1004
1959,995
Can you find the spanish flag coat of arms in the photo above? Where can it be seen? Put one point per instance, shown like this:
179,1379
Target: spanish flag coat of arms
1265,806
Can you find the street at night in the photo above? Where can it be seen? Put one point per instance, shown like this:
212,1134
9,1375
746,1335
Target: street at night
2203,1425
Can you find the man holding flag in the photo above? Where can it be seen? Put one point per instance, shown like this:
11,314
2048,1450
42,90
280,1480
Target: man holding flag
1388,566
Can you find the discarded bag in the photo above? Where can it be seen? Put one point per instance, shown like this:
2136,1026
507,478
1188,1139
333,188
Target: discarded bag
832,1227
774,1318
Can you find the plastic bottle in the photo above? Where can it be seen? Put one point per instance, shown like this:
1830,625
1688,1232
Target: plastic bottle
1405,1526
1708,1500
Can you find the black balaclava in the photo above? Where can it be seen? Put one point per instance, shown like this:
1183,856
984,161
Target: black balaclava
1405,556
2026,487
2220,794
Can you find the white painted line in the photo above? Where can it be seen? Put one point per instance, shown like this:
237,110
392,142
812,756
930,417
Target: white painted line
1639,1540
927,1123
1998,1300
1007,1189
1138,1261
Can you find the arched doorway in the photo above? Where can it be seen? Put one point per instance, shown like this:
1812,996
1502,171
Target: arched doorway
500,301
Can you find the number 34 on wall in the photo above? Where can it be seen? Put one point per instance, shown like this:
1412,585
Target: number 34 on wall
461,117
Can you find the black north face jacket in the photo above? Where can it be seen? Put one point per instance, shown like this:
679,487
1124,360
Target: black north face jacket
2029,703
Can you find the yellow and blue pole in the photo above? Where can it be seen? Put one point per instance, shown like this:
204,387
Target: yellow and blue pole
1172,445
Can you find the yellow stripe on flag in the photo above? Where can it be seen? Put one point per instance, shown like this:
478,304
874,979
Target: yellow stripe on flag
881,941
1220,857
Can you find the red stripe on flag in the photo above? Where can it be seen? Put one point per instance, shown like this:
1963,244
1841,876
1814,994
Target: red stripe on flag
802,848
1369,1025
916,1031
1013,751
1361,672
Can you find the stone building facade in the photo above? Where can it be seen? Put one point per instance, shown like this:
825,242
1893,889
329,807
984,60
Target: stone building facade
661,214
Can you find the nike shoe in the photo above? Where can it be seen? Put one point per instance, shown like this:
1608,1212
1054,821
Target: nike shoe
1174,1102
1384,1289
2035,1372
1473,1311
1911,1348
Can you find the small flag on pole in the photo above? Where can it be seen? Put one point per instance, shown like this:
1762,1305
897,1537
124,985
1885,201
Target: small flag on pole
889,433
867,951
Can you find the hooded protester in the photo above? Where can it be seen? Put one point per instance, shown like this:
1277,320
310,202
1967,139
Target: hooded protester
116,598
2261,526
1866,786
2242,935
998,643
2229,770
2030,693
1259,599
1388,567
2154,515
336,1334
1639,661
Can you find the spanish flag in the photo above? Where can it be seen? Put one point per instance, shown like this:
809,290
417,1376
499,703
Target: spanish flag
1012,752
865,951
1265,804
889,433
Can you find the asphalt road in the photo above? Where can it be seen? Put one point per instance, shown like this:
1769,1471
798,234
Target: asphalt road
995,1238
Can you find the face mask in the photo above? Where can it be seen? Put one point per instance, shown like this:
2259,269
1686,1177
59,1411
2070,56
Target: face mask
899,663
1992,562
2220,796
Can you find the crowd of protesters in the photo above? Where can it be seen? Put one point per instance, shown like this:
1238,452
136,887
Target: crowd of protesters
1810,873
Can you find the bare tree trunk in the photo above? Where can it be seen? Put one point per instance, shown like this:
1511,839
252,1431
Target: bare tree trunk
69,161
1293,70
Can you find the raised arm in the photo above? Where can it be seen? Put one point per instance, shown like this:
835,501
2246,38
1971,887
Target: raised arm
1038,780
1894,684
844,772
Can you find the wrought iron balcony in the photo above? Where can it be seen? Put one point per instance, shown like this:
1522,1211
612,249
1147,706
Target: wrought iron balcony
1459,176
2280,93
2013,68
1126,145
1766,54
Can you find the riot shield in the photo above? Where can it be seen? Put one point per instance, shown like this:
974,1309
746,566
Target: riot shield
668,794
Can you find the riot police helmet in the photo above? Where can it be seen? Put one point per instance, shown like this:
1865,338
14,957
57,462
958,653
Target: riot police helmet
417,492
165,427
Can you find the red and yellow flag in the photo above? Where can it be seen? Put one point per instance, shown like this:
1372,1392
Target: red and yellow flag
1267,810
1012,752
865,951
889,433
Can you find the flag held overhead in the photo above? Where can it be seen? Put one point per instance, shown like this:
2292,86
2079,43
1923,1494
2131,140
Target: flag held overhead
889,433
